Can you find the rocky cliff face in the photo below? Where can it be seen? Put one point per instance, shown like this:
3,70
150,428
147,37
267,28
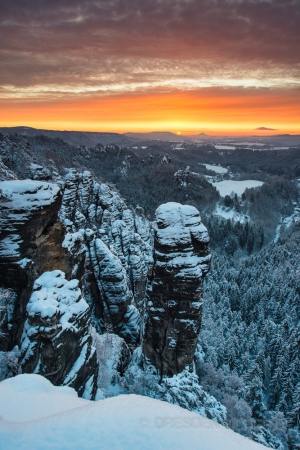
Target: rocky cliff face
32,242
119,252
181,260
56,341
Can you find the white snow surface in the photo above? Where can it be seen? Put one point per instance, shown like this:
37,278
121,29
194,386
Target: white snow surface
238,187
177,225
217,169
34,414
28,194
53,294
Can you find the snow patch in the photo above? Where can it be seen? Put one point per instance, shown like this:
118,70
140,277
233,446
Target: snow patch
230,213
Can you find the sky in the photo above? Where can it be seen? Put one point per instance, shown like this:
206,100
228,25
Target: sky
187,66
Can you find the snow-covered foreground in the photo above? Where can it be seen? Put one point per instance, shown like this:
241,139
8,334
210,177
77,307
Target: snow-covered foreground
36,415
238,187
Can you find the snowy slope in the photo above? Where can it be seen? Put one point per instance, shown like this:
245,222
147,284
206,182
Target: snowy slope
37,415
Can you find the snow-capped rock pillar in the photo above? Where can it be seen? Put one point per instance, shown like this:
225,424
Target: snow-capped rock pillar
56,339
181,261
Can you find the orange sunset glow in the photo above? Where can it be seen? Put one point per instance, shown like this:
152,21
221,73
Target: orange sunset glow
183,66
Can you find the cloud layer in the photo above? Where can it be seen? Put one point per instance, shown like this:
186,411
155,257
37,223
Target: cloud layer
102,42
92,49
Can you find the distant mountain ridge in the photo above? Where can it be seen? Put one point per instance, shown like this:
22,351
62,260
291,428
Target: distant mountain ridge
88,138
92,138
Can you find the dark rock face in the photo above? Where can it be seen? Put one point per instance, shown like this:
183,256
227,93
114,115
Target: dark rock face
31,242
181,260
56,342
52,322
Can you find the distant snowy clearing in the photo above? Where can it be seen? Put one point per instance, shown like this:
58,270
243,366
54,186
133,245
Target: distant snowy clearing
238,187
217,169
230,213
37,415
224,147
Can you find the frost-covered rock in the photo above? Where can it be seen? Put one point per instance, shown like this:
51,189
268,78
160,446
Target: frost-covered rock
119,251
114,293
184,390
38,172
31,242
56,341
174,307
113,356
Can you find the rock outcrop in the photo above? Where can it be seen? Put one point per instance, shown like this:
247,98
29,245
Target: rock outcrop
119,252
181,260
31,242
52,323
56,341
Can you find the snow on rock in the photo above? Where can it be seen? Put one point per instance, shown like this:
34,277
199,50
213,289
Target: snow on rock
38,172
114,291
56,341
174,307
113,356
30,243
36,414
118,235
238,187
182,389
23,196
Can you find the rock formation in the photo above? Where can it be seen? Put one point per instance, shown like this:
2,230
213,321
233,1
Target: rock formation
55,337
181,260
31,242
119,252
56,341
82,229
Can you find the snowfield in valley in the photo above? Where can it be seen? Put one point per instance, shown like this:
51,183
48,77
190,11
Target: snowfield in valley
34,414
226,187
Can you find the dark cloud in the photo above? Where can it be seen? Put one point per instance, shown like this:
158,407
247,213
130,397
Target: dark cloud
265,129
78,41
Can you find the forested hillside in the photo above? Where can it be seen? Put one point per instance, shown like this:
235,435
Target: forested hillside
250,339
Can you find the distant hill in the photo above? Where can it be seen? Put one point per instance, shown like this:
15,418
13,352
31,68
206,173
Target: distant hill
159,135
88,138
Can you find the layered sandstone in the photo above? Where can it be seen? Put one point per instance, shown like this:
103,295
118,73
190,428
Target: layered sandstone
31,242
181,261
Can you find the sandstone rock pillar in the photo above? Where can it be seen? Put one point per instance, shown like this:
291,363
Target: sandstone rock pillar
181,261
